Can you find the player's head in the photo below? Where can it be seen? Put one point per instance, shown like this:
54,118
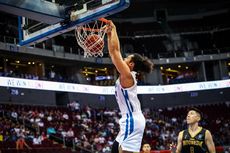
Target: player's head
138,63
146,148
194,115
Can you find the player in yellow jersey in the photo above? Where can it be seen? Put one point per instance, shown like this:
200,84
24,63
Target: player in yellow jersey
195,139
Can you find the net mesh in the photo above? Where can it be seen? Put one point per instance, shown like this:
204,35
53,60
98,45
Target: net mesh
90,37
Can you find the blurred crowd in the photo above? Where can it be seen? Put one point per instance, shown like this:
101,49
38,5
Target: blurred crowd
95,129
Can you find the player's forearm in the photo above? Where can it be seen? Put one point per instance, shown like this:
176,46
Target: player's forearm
113,42
211,149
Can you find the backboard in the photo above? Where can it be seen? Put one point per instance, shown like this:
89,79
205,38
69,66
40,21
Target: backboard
62,18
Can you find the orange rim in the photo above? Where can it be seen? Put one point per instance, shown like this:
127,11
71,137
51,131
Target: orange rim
90,29
103,20
95,30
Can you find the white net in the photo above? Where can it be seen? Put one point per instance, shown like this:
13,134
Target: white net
90,37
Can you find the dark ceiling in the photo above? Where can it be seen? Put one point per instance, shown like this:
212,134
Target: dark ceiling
148,8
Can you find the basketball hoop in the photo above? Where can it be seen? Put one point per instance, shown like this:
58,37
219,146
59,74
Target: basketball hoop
90,37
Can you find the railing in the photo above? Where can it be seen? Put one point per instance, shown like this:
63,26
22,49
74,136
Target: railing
70,143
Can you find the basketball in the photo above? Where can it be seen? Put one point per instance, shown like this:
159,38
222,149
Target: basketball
94,43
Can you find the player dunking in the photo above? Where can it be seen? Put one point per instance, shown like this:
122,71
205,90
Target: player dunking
132,122
195,139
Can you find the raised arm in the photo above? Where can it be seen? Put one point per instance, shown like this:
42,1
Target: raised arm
115,54
209,142
179,142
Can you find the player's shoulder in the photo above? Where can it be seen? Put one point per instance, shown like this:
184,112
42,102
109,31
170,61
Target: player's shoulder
205,130
181,133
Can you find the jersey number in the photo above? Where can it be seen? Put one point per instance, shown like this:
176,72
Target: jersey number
191,149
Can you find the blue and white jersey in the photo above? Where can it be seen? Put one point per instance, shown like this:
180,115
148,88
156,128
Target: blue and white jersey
127,98
132,122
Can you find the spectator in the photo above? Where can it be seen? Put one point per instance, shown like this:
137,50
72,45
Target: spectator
65,116
21,143
74,106
43,136
37,140
146,148
70,133
1,136
106,149
50,118
14,115
51,130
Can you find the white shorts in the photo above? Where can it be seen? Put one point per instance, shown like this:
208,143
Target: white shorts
132,128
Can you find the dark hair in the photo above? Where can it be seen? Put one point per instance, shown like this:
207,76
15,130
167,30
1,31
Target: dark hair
196,110
142,64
